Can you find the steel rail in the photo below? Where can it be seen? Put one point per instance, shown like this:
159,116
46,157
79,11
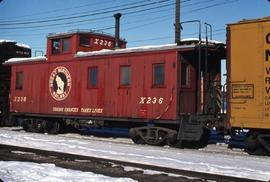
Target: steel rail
6,154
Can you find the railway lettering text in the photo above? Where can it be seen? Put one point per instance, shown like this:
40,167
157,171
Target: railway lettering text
151,100
76,110
71,109
102,42
19,99
267,76
267,51
92,110
58,109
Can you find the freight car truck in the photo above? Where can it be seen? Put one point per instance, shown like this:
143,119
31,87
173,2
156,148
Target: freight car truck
248,67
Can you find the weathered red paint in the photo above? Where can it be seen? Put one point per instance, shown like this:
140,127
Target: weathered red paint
108,99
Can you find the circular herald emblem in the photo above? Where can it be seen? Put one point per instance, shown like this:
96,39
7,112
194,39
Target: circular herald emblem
60,83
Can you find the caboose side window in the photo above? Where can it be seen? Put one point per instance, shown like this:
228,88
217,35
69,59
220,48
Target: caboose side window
92,77
158,75
85,40
19,80
56,46
184,75
124,75
66,45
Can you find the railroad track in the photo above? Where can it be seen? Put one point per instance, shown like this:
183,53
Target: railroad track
109,167
211,148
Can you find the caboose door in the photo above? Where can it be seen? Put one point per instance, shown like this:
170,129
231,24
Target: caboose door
186,83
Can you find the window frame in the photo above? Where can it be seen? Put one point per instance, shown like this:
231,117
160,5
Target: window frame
54,52
154,84
19,81
89,77
120,76
62,45
86,37
187,75
61,50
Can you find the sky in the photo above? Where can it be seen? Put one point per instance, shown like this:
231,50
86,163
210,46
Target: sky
144,22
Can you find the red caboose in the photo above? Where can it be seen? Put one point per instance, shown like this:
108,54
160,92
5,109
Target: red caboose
161,93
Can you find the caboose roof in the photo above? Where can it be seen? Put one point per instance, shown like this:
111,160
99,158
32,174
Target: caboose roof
90,32
186,43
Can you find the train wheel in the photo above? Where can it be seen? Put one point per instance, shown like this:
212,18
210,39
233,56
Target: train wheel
33,125
52,127
151,135
253,146
138,140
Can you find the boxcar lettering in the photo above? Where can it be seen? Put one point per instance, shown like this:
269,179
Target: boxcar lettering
142,100
267,80
58,109
86,110
71,109
267,90
267,69
97,110
267,54
151,100
154,101
59,97
92,110
160,100
267,38
96,41
267,103
19,99
148,100
103,42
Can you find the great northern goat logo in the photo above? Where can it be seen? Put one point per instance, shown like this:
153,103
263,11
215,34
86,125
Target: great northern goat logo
60,83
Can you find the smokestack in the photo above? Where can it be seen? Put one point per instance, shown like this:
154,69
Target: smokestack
117,30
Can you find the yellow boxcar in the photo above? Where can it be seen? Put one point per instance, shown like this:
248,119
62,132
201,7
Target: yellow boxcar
248,69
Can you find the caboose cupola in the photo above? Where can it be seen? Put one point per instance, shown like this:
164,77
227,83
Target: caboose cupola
63,46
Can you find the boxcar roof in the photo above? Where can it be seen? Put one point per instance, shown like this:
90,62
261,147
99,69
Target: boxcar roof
245,21
25,60
2,41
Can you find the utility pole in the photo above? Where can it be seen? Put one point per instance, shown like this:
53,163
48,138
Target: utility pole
177,22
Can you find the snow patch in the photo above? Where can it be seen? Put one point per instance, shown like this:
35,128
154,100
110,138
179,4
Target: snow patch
6,40
28,171
245,166
129,50
23,45
13,41
25,60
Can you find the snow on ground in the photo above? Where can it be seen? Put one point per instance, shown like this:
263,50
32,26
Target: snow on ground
28,171
232,165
